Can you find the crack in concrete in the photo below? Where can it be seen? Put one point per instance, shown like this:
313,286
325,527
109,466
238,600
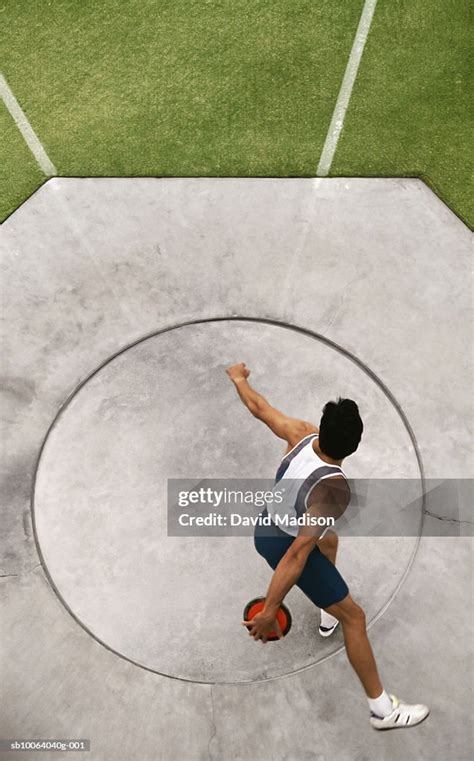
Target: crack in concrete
445,518
17,575
38,565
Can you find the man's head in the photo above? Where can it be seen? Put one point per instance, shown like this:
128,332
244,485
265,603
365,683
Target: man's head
340,429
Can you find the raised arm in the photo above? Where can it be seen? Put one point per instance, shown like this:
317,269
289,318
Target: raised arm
290,429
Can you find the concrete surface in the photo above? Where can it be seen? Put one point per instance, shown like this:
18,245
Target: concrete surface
92,266
165,408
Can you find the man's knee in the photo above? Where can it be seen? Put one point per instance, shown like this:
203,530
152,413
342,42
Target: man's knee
357,615
348,612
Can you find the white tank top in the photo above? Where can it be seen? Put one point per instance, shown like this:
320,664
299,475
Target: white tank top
299,472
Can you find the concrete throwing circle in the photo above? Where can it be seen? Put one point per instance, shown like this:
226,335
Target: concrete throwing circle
164,408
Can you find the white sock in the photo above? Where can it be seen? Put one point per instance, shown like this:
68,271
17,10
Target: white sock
381,706
327,620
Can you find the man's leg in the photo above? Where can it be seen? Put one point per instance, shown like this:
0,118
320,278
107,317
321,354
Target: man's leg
359,651
387,712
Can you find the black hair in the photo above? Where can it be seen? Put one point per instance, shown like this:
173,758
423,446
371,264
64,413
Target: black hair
340,429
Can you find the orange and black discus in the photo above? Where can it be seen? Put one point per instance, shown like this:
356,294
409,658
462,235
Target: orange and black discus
283,616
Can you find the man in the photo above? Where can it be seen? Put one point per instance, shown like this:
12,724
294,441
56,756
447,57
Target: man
316,488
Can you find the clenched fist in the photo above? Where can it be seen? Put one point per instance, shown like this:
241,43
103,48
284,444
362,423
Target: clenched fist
238,372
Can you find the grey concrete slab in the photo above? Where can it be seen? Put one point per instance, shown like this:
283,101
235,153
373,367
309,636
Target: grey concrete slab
319,716
165,408
71,684
58,682
379,266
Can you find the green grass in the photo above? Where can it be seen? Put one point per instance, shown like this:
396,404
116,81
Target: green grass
234,88
410,111
19,172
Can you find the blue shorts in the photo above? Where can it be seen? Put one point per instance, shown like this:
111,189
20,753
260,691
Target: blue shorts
320,580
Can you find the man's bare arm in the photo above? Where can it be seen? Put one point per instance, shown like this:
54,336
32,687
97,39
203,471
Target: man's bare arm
290,429
286,574
328,500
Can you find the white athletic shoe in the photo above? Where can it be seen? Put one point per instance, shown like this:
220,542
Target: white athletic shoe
326,631
403,715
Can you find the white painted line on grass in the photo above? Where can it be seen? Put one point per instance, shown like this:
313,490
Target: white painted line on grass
337,121
29,135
